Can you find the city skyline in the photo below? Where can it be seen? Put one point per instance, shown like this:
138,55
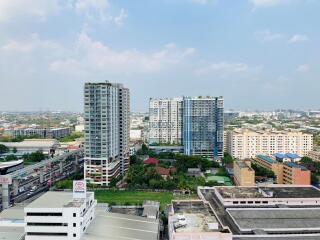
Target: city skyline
258,54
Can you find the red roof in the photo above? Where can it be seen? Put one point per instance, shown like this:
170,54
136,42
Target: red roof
163,171
151,161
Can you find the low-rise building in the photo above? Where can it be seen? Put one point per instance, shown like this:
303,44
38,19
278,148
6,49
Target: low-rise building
285,172
57,215
244,175
47,146
39,132
266,213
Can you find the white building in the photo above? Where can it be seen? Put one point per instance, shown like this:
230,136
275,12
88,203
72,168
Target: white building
107,129
244,143
56,215
165,121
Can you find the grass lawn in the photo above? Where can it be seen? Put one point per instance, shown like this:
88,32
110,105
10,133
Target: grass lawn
132,197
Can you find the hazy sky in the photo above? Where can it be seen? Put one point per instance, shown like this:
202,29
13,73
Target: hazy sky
258,54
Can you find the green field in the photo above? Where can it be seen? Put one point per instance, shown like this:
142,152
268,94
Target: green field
132,197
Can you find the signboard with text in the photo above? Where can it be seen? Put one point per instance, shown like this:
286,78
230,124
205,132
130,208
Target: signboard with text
5,179
79,189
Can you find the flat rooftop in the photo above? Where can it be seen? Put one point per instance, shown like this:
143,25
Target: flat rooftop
196,214
277,192
13,213
53,199
277,219
273,237
11,233
115,226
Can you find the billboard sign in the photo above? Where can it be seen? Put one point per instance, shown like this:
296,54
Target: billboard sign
5,179
79,189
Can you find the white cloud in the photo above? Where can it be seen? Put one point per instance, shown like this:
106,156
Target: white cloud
91,55
29,44
267,36
226,68
204,2
297,38
13,9
99,10
303,68
121,17
268,3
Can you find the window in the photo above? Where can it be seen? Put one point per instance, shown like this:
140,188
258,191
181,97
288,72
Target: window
74,214
74,235
74,224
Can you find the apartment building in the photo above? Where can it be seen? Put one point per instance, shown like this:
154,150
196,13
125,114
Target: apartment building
107,129
245,143
165,121
203,126
194,122
314,155
39,132
285,172
244,175
57,215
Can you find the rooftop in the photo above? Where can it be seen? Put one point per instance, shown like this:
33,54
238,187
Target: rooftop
266,159
11,233
56,200
277,220
115,226
279,191
197,216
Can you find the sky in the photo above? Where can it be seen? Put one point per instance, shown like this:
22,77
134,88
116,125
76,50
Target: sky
258,54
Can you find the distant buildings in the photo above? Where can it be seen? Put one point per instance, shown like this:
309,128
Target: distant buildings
194,122
245,143
244,175
314,155
285,172
107,121
46,146
39,132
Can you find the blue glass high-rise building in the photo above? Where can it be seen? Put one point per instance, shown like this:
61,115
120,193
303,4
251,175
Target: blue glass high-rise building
203,126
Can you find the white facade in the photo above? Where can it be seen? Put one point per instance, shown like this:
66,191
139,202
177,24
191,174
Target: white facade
165,121
57,216
244,143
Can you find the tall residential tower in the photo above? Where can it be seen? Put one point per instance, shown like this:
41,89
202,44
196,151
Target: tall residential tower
107,126
203,126
165,121
194,122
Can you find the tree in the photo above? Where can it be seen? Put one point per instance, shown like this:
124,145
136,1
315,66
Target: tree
14,150
227,158
3,149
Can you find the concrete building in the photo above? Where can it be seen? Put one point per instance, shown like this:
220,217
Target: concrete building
46,146
165,121
269,213
57,215
314,155
245,143
107,129
55,133
195,220
244,175
203,126
194,122
285,172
